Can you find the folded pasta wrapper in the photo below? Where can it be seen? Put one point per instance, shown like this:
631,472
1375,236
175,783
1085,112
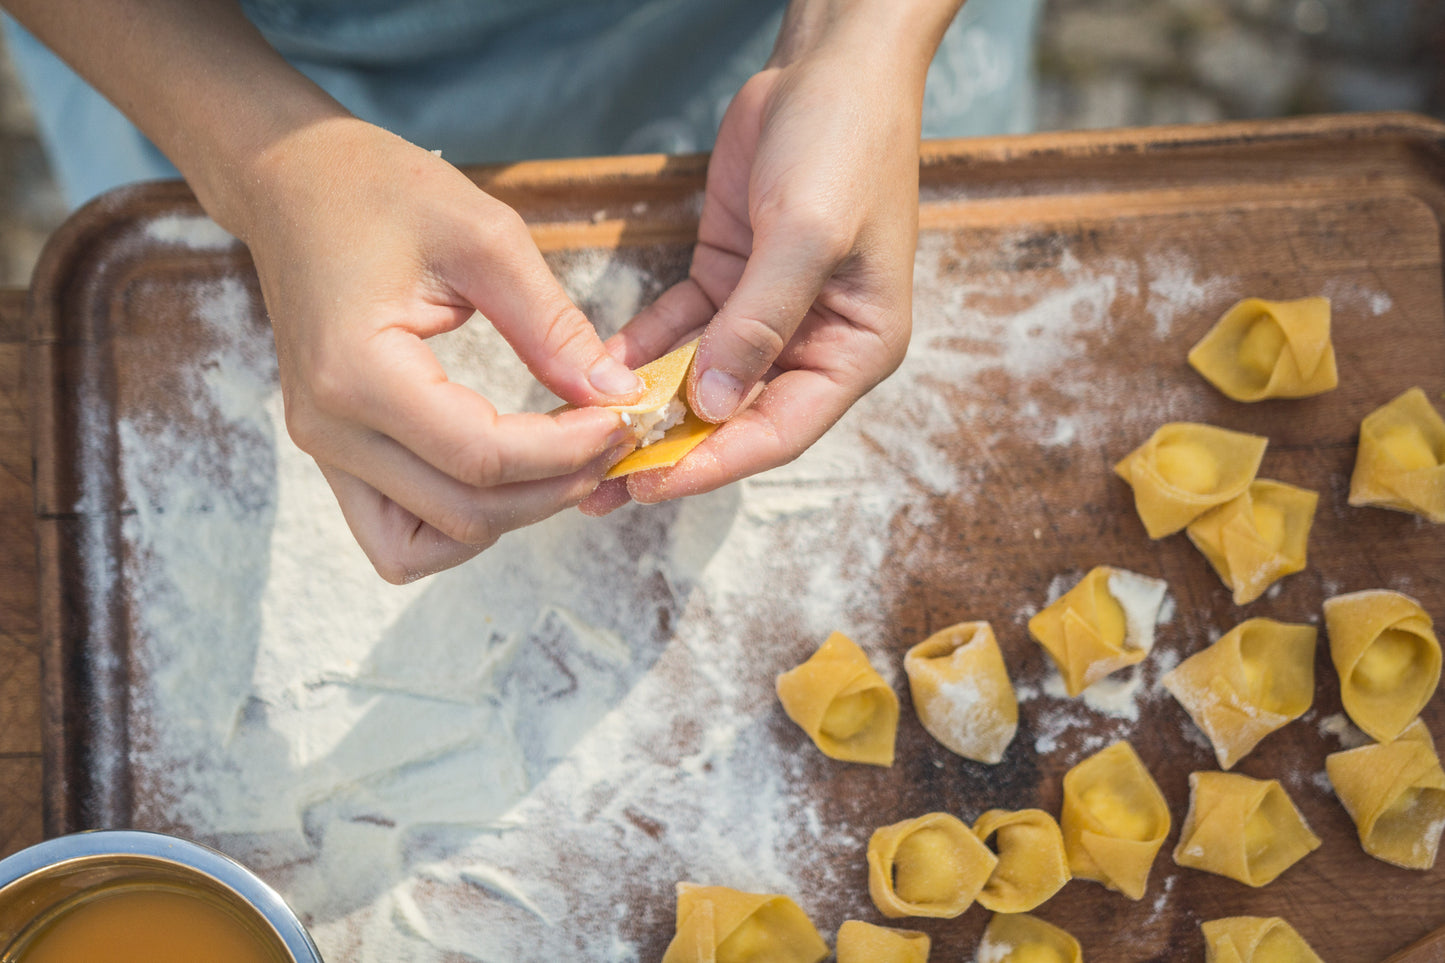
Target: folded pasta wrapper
1269,349
1395,793
1254,939
1246,829
1400,463
716,924
860,942
1101,625
1259,676
1384,648
933,865
1031,863
842,703
961,691
1021,938
1114,819
664,380
1257,538
1185,469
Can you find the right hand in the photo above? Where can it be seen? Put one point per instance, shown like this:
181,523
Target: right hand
366,245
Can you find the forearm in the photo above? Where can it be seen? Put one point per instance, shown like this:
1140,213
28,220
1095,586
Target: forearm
195,76
901,34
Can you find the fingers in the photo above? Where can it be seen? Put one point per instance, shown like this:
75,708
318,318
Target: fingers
405,395
496,266
673,319
606,498
412,520
778,285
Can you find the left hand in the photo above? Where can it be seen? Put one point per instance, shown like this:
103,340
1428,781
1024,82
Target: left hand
803,270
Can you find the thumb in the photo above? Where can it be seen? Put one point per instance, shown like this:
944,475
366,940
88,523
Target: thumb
502,273
779,284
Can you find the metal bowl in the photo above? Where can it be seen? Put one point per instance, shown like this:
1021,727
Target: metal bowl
40,883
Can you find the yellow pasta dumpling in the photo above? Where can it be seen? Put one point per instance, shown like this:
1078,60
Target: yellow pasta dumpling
961,691
1103,624
720,925
1269,349
1395,793
664,426
1259,676
1243,828
860,942
929,866
1254,939
842,703
1258,538
1114,819
1384,647
1401,459
1021,938
1031,863
1185,469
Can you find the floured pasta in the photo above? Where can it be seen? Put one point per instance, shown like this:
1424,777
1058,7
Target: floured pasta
720,925
1114,819
1185,469
665,428
1269,349
842,703
1021,938
1395,793
1254,939
1257,538
1103,624
929,866
1385,650
1246,829
1401,459
1031,862
860,942
961,691
1259,676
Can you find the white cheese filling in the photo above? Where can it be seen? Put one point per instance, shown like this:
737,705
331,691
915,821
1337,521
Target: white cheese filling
650,426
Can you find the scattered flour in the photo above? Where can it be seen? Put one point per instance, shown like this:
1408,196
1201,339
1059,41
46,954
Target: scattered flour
1339,726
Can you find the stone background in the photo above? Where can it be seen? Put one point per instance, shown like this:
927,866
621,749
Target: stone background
1102,63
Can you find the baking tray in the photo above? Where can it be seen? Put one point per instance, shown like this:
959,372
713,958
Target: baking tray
1352,206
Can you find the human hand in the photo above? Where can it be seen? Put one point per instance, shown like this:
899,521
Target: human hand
367,245
803,268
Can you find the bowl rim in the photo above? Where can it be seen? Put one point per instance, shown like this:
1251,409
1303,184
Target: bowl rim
220,868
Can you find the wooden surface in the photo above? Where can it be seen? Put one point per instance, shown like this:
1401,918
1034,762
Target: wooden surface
20,690
1276,209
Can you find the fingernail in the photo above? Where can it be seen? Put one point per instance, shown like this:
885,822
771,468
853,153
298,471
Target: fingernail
611,377
718,394
624,437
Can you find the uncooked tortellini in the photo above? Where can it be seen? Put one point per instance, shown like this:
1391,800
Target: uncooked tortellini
961,691
929,866
1114,819
860,942
1185,469
1104,623
1385,650
1243,828
1031,861
1021,938
1269,349
842,703
1254,939
1395,793
720,925
1257,677
1257,538
1401,459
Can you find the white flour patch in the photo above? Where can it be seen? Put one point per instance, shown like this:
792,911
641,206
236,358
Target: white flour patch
198,233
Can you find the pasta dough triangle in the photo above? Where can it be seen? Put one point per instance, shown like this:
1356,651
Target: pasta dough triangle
716,924
1395,793
663,381
1269,349
1257,538
1185,469
1255,939
1401,459
1259,676
1384,648
1243,828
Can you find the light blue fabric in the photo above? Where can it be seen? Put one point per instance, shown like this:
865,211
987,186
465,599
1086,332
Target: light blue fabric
501,80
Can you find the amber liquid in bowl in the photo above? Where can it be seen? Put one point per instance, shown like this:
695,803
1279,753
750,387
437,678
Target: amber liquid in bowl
144,923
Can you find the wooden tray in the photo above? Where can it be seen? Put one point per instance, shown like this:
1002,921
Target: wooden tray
1351,206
